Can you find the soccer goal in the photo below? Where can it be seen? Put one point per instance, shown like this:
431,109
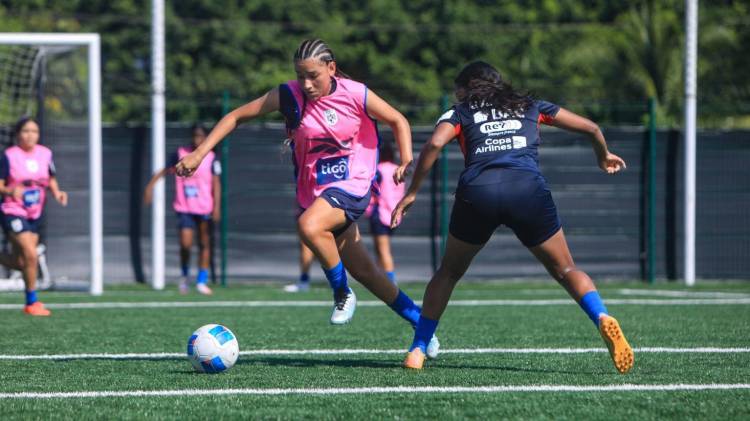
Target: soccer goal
56,78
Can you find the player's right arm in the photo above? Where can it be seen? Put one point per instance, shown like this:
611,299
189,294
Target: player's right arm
256,108
443,134
148,193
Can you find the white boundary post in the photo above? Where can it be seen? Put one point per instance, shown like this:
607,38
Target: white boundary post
158,156
691,60
95,135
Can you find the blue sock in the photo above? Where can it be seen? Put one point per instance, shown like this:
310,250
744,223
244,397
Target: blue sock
337,277
391,276
202,276
422,336
405,307
30,297
304,278
185,270
592,304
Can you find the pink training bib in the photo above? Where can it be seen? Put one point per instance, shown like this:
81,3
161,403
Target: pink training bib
32,171
194,194
336,143
390,192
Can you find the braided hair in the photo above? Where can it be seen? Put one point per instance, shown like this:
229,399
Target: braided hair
316,48
483,86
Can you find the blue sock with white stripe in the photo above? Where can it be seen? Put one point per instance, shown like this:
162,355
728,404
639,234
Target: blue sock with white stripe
337,278
592,304
405,307
422,336
202,276
30,297
185,270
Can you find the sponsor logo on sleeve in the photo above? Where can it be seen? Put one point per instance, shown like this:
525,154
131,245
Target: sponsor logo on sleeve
447,115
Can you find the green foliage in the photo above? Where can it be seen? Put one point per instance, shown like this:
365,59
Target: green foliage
602,58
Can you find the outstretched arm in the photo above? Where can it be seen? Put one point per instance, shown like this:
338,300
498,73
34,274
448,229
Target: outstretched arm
148,193
443,134
382,111
258,107
568,120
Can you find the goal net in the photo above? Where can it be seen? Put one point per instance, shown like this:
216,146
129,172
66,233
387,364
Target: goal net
55,78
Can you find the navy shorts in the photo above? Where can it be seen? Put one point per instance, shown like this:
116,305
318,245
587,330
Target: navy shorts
354,207
519,200
377,227
190,220
18,224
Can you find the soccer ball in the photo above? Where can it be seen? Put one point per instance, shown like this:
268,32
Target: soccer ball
212,349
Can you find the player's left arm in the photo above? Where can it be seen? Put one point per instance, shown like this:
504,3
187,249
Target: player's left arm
571,121
216,216
59,195
443,134
54,187
216,189
382,111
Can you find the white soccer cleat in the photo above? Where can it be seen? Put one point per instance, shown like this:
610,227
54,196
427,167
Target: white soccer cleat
203,289
343,308
298,287
433,348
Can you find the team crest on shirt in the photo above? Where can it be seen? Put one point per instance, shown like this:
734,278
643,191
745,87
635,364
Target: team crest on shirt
32,165
480,117
331,117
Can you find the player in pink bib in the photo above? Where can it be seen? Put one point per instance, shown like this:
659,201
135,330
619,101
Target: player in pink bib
330,120
26,172
197,201
385,197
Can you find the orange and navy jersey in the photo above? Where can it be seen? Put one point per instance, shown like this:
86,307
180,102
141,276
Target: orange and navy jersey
490,138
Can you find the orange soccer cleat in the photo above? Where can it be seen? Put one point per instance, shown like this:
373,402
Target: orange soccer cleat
414,359
619,349
36,309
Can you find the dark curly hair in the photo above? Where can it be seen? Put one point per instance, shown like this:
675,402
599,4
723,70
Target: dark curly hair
481,85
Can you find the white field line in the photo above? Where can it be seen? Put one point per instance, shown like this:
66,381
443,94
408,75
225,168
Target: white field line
280,352
378,390
667,293
311,303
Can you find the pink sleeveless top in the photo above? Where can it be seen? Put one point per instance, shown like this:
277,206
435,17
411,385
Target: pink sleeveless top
194,194
336,143
32,170
390,193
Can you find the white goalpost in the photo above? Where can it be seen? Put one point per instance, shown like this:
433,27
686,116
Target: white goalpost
95,223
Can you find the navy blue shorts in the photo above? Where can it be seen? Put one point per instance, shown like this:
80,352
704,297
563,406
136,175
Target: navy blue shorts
190,220
377,227
354,207
18,224
519,200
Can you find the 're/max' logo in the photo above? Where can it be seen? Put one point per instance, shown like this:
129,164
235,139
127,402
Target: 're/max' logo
500,126
332,169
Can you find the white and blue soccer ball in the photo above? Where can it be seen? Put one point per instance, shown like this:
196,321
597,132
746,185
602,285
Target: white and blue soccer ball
212,349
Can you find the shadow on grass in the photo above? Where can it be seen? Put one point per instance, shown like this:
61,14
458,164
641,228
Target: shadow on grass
389,364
